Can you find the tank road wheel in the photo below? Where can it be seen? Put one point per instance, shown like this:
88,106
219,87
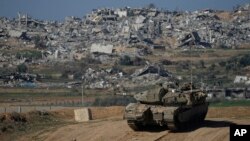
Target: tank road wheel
135,125
174,125
171,126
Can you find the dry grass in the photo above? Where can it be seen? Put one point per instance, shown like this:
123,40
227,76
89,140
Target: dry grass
197,55
167,41
244,46
17,45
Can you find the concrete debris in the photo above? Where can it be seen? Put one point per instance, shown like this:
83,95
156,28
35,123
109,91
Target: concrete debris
241,79
140,19
105,30
237,93
149,79
101,79
101,48
99,85
110,78
121,13
153,69
16,33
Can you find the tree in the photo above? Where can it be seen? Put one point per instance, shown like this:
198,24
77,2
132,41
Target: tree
22,68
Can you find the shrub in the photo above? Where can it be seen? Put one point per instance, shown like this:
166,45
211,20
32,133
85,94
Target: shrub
22,68
212,67
29,54
222,63
185,65
137,61
202,64
125,60
166,62
39,42
90,60
245,60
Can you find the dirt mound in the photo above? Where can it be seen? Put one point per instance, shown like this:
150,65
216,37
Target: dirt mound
12,117
106,112
213,112
14,124
65,114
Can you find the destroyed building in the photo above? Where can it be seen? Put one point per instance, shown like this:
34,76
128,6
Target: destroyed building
107,32
128,26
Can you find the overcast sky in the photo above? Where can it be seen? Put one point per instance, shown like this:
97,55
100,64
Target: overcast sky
58,9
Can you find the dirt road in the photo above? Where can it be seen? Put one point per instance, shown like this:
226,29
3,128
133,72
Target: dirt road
114,128
117,130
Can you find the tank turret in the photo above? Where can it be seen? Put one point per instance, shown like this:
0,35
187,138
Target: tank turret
155,94
186,95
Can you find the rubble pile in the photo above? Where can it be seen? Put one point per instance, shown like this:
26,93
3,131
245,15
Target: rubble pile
148,75
104,30
100,78
106,34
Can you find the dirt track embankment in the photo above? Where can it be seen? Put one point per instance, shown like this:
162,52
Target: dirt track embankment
109,125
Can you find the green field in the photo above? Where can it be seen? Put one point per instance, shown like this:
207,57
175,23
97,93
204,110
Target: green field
227,103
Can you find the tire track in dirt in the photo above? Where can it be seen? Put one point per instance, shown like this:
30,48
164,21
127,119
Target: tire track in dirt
117,130
102,131
108,124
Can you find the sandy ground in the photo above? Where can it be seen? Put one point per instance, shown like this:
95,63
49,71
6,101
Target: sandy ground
117,130
104,128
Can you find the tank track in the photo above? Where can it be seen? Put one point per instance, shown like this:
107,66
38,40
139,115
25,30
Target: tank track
134,125
170,119
174,124
177,118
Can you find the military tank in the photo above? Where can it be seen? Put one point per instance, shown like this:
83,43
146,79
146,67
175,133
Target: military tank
169,106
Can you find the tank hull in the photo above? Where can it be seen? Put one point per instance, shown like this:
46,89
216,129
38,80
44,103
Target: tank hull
174,117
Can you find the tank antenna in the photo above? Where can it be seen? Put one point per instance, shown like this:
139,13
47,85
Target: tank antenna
191,56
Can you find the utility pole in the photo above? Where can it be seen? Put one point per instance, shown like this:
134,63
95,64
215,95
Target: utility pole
191,70
82,89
